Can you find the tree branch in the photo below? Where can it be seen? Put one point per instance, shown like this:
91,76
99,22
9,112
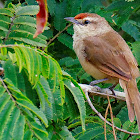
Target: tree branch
95,90
101,117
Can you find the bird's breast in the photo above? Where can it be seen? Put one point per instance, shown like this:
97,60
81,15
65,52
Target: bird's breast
87,66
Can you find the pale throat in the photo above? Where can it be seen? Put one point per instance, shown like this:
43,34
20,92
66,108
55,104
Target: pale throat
84,31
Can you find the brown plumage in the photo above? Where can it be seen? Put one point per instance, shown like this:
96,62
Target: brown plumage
103,53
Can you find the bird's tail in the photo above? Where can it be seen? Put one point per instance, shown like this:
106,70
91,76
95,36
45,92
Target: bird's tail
132,99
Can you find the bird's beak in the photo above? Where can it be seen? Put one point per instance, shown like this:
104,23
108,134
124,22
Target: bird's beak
72,20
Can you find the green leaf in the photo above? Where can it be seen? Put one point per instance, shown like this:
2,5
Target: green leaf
136,51
39,131
28,135
27,38
10,72
5,19
5,11
78,97
27,29
4,26
31,60
45,97
27,10
4,99
45,67
19,129
66,39
60,14
34,109
123,115
66,134
11,125
5,115
2,90
25,20
129,126
74,7
131,28
117,122
71,109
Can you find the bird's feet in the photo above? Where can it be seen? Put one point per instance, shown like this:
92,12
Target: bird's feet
97,81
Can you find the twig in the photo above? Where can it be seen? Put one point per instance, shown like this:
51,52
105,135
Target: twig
105,121
100,115
12,23
8,91
111,113
51,40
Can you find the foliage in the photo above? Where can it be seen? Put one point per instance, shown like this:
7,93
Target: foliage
36,97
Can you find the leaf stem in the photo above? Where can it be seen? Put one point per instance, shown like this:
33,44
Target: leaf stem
9,31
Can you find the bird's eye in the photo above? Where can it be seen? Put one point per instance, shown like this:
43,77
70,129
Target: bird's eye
86,22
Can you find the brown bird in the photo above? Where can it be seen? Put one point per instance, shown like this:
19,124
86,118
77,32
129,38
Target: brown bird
104,54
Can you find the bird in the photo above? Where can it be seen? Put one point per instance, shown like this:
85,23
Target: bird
105,55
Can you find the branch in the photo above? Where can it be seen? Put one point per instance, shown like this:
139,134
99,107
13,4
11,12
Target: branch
9,31
95,90
101,117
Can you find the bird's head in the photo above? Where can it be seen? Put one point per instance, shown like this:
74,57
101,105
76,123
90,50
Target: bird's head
88,24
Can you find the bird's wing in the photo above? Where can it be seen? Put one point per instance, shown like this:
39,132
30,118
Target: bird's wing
107,57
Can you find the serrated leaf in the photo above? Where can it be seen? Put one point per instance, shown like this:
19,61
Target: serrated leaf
78,97
66,134
60,14
27,29
27,38
5,19
19,129
5,115
74,7
8,131
4,26
28,135
27,10
136,50
46,97
117,122
129,126
39,131
66,39
34,109
5,11
25,20
45,67
10,72
51,6
4,98
130,28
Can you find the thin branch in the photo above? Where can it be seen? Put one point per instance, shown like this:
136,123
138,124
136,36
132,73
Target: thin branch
15,103
95,90
9,31
100,115
8,91
105,121
111,113
51,40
